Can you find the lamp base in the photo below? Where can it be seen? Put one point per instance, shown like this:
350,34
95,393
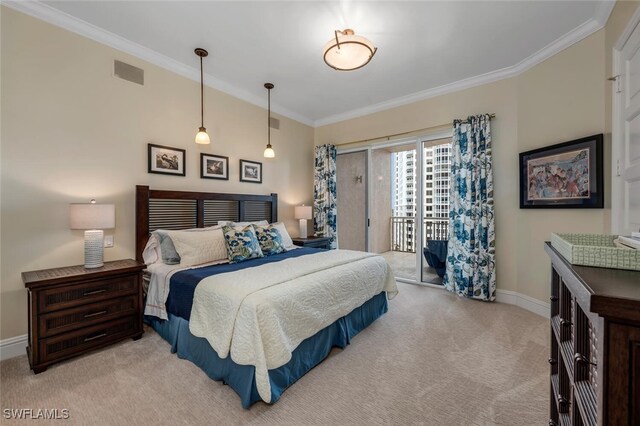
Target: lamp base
303,228
93,248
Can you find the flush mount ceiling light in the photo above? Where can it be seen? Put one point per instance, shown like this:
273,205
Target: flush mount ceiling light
268,152
202,137
347,51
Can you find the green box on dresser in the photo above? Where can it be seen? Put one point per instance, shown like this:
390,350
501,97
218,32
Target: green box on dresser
73,310
595,344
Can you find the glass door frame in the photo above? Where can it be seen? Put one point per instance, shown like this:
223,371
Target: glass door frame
417,141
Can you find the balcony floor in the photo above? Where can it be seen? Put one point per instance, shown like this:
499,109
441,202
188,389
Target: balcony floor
404,266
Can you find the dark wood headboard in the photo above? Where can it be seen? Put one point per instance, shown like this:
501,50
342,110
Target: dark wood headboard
158,209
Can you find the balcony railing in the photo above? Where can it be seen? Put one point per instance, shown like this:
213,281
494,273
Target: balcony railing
403,232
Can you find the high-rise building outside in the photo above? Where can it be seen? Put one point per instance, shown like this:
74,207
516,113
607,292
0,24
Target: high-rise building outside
437,166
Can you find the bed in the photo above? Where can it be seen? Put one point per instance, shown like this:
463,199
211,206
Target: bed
259,325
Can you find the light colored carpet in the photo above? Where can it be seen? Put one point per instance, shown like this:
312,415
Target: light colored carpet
433,359
403,265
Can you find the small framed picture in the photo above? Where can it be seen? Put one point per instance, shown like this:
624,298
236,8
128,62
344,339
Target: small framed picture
566,175
214,167
250,171
166,160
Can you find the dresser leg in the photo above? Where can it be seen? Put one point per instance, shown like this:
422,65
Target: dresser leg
38,370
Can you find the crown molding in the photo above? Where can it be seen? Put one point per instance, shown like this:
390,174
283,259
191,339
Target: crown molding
61,19
68,22
586,29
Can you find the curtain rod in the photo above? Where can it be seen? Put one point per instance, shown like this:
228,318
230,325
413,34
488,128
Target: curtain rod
388,137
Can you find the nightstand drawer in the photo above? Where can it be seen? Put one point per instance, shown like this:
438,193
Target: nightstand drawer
67,344
87,292
85,315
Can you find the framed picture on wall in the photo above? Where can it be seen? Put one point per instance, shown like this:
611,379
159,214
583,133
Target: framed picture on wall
250,171
565,175
166,160
214,167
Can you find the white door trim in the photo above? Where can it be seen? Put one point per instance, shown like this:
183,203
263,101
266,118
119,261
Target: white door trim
617,125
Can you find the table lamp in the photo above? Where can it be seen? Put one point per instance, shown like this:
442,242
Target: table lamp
303,213
93,218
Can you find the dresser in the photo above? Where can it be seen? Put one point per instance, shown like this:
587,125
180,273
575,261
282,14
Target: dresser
595,344
73,310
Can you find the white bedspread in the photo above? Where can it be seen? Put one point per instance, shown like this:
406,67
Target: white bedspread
261,314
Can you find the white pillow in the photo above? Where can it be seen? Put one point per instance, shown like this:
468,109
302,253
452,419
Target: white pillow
241,224
196,248
151,253
286,238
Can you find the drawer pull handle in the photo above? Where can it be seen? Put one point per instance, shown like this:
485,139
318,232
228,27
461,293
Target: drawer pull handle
554,298
552,423
89,293
95,314
88,339
565,323
563,402
578,358
553,361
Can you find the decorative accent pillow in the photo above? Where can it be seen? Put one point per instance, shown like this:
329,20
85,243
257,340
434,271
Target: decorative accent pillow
269,239
287,242
242,243
196,248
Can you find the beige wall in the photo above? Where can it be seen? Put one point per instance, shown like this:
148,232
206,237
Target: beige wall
556,101
71,131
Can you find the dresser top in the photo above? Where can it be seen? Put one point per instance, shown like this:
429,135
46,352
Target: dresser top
76,272
608,287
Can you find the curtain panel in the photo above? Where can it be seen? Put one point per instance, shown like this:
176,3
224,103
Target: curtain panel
471,250
324,201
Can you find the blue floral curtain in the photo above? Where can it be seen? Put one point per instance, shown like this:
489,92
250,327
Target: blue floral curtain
324,203
471,262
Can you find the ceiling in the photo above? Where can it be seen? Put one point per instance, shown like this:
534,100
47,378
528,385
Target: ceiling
424,48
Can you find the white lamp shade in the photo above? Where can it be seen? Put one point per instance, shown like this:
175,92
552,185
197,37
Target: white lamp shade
202,138
269,153
352,51
303,212
92,216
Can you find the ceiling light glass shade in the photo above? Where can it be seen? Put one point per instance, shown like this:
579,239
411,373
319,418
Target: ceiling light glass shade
269,152
347,51
202,137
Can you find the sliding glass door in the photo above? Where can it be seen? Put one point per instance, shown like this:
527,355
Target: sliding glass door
351,193
406,186
435,212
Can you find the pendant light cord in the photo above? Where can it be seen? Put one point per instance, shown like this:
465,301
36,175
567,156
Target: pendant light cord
201,94
269,119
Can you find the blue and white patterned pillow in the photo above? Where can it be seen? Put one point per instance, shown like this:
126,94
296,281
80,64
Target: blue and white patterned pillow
270,240
242,244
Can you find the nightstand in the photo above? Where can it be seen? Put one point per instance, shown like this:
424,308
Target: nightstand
73,310
315,242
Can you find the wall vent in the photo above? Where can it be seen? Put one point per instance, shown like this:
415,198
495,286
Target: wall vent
274,123
128,72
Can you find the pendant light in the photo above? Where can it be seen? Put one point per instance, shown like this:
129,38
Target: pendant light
347,51
268,152
202,137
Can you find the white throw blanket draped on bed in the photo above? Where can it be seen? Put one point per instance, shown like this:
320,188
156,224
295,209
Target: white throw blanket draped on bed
261,314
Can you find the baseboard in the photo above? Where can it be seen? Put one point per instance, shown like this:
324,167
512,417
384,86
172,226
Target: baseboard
13,347
529,303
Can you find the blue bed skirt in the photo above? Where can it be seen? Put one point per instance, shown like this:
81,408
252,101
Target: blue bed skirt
241,378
